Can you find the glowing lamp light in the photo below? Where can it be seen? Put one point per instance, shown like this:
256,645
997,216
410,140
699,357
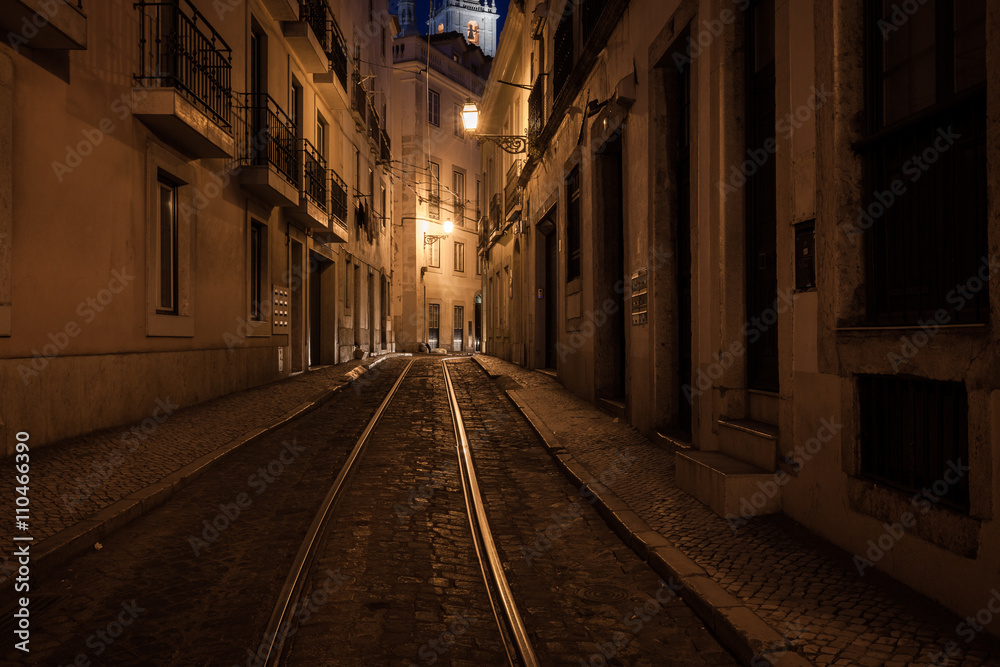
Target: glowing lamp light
470,116
448,227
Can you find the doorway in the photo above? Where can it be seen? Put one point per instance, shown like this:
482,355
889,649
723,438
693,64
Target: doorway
761,199
458,340
547,299
610,283
295,283
317,266
479,322
433,326
371,313
682,170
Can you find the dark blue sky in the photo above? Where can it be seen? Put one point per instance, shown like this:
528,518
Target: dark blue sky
422,13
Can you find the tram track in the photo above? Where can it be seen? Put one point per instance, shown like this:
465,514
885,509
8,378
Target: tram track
509,626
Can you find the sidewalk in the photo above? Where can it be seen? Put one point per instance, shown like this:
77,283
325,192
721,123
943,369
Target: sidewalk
772,588
85,487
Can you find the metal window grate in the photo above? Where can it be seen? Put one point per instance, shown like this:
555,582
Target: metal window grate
314,172
912,432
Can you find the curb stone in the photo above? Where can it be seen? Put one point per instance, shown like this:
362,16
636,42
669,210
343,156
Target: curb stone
56,549
749,637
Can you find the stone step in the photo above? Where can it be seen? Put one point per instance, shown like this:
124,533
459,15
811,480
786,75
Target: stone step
750,441
727,485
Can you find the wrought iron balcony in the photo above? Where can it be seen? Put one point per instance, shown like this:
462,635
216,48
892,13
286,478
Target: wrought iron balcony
512,191
496,214
270,137
337,52
179,49
314,176
359,98
373,124
338,199
536,111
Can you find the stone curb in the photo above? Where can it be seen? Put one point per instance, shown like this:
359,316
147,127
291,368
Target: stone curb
749,637
56,549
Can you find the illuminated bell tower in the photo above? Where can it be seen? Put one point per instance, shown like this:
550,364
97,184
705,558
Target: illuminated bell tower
476,20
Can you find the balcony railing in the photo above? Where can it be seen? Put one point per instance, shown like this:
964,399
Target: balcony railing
314,176
373,124
338,52
536,110
512,191
563,52
178,48
496,214
269,137
338,199
359,97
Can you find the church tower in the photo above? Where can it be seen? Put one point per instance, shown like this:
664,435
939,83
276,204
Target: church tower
407,13
476,20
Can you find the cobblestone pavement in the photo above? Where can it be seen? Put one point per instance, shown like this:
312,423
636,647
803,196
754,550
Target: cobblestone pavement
194,581
585,597
806,589
74,478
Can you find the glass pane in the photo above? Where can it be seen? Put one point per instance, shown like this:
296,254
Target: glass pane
970,43
909,66
166,255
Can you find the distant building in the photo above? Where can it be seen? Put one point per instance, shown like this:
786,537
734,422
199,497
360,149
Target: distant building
477,22
765,234
200,208
439,180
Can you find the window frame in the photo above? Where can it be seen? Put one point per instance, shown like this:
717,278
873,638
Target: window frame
459,257
434,107
574,232
164,182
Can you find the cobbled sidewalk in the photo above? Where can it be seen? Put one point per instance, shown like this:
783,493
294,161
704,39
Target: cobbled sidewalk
806,589
73,479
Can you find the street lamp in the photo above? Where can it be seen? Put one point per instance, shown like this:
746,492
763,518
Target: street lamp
513,144
431,239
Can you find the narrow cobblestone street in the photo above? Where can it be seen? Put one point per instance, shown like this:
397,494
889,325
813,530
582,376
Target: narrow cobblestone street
396,579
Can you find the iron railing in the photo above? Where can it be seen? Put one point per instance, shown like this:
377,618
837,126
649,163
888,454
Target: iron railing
179,48
359,97
314,172
496,214
563,53
512,191
373,123
269,136
536,109
338,52
338,199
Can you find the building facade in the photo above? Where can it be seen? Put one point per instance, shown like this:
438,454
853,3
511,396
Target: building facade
765,234
475,20
436,295
240,233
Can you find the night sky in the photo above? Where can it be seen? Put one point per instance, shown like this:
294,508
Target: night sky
422,13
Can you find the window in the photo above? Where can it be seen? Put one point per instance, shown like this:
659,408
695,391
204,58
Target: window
434,108
322,134
573,225
913,432
434,191
385,207
357,170
295,103
458,191
435,252
457,338
459,257
924,220
479,265
258,238
348,287
433,325
457,119
166,249
479,205
371,182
